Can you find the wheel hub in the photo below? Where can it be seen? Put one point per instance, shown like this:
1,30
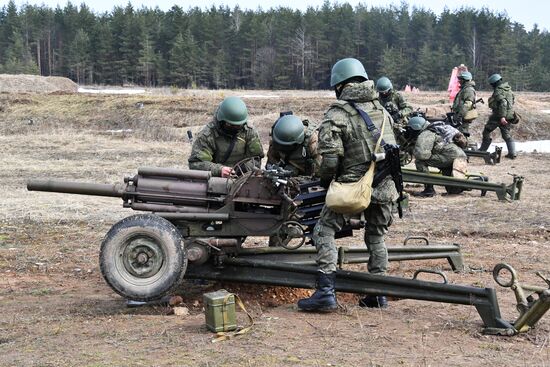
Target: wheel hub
142,257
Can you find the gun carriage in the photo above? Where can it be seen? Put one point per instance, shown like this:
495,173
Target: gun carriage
197,225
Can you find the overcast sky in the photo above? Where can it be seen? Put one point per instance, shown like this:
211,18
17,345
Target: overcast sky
527,12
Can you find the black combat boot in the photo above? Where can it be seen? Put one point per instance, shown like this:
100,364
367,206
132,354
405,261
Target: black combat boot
485,143
324,298
374,302
427,193
511,145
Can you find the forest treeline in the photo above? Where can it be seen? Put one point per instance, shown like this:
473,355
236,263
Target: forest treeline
279,48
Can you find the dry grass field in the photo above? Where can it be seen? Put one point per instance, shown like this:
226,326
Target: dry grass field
56,310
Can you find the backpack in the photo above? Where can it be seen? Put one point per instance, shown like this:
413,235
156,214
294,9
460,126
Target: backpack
448,133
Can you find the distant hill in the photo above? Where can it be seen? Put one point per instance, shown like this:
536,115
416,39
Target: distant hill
22,83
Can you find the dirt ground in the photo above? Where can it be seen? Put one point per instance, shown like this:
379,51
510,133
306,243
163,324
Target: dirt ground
56,310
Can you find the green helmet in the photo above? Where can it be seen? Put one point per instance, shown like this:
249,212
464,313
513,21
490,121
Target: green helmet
417,123
383,85
466,75
233,111
494,78
289,130
345,69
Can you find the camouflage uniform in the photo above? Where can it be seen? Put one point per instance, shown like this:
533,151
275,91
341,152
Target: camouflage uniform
397,106
344,134
465,101
431,150
502,105
212,144
302,159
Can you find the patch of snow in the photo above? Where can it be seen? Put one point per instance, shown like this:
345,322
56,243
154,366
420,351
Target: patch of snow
111,91
539,146
545,111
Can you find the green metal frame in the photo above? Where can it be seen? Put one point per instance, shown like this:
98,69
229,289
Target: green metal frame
489,158
504,192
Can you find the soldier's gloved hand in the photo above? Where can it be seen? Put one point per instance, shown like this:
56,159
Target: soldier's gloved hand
226,171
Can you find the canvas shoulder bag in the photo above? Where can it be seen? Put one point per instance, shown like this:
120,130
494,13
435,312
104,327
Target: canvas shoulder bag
354,197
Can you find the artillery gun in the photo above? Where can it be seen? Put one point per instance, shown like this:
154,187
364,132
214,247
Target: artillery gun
197,224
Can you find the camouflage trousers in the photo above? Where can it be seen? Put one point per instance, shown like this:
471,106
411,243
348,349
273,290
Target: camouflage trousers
491,125
440,161
378,217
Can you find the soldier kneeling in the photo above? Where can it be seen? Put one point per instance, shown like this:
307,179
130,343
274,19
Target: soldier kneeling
435,148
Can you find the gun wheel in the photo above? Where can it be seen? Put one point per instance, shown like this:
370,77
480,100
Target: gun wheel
143,258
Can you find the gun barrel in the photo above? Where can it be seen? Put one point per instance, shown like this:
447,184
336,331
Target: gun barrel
81,188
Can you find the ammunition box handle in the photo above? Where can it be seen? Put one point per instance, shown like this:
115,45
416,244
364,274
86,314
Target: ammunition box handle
422,238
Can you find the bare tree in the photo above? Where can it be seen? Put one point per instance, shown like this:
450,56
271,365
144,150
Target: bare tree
301,53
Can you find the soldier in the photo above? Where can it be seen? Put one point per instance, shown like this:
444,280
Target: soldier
226,140
502,106
393,101
432,150
346,146
293,146
464,102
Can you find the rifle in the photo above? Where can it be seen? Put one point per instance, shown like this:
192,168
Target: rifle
391,165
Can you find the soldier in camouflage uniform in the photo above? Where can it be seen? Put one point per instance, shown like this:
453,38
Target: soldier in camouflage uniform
393,101
464,102
226,140
293,146
502,106
346,147
430,150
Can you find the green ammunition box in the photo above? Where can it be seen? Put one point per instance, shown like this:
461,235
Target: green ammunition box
219,310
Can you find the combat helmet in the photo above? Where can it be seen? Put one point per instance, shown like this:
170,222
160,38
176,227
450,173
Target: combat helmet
417,123
493,79
288,130
345,69
383,85
465,75
233,111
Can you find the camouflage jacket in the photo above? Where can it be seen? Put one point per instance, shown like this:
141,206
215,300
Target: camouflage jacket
212,144
344,134
397,106
502,102
430,146
465,99
302,159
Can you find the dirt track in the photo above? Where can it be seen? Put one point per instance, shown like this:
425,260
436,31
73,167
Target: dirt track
56,310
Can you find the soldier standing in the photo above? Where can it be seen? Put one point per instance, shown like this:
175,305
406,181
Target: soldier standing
393,101
226,140
502,106
293,146
464,102
430,150
346,146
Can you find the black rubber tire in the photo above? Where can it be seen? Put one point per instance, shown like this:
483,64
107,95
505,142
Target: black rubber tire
143,234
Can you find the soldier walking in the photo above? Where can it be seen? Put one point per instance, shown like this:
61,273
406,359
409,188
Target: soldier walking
464,103
502,116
